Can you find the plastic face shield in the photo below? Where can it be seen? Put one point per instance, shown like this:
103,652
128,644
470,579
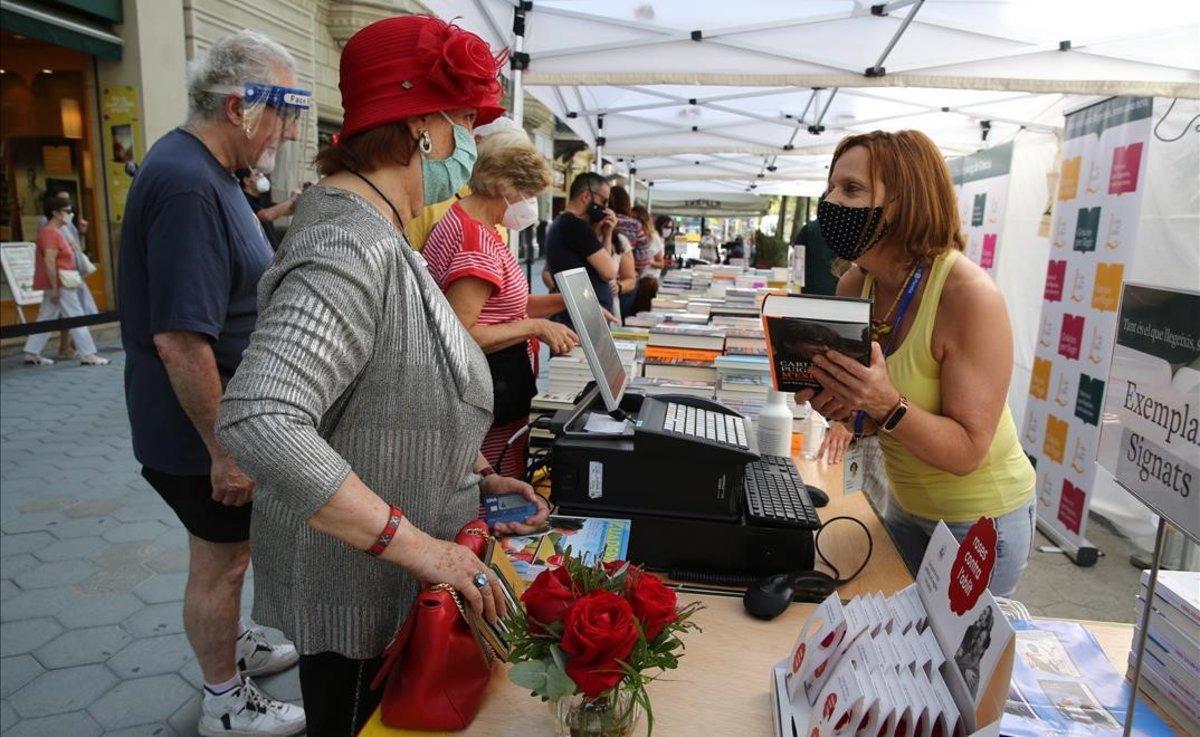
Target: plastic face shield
271,115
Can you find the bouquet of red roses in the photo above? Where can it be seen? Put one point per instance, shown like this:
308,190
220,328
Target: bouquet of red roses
595,630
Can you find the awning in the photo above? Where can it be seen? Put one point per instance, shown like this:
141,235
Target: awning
760,91
707,202
61,27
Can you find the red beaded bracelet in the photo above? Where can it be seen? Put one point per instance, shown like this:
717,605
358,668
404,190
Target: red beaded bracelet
389,532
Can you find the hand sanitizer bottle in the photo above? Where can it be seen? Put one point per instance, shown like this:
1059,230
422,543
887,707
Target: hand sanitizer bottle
775,426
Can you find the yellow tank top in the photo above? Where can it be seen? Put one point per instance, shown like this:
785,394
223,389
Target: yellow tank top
1004,481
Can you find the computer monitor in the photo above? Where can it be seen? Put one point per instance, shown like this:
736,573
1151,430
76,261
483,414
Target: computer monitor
594,336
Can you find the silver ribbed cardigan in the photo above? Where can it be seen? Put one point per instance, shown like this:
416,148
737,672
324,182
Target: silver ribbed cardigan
357,362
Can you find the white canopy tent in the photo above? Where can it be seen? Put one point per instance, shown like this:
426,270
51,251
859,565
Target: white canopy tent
767,88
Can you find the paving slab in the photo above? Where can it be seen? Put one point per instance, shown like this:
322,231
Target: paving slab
75,724
63,690
36,603
89,610
142,701
16,671
162,587
27,634
153,656
83,646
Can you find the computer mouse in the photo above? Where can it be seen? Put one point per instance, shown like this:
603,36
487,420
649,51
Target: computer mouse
767,598
818,496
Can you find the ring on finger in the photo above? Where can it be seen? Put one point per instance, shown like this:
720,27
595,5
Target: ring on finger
480,580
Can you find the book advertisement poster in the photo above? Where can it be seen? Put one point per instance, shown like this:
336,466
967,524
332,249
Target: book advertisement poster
1063,685
1092,244
981,182
123,145
1151,436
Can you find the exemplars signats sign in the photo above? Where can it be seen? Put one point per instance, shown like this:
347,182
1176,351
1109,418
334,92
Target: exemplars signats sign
1154,403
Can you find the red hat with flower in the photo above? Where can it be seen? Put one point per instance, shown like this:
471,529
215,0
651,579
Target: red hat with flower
415,65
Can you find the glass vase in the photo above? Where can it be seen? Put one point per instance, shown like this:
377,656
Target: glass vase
612,714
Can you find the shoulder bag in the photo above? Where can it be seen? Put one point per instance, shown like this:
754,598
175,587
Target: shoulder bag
436,669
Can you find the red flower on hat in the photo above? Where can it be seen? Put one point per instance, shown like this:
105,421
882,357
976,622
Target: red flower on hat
459,62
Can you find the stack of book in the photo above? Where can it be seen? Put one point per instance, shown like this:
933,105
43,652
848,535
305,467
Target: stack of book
1171,666
631,333
646,319
569,374
653,387
546,404
743,380
684,352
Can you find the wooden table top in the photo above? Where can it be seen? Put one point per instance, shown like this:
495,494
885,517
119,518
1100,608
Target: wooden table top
722,686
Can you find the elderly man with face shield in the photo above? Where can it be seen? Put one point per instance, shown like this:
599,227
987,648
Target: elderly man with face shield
361,404
192,253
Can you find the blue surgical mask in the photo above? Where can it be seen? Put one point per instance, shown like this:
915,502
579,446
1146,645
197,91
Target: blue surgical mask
443,177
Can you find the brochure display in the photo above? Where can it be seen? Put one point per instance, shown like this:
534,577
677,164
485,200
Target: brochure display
932,660
1092,243
981,182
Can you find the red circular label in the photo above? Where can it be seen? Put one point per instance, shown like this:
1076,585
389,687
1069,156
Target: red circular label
820,669
816,732
830,703
798,658
972,569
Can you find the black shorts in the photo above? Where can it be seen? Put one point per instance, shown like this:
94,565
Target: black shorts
191,498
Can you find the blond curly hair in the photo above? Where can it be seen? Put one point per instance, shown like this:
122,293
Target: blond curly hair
509,166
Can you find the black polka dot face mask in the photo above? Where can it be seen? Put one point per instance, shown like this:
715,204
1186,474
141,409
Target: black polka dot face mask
850,231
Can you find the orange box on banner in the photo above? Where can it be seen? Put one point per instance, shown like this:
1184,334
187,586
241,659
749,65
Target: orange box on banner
1068,183
1039,381
1107,291
1056,438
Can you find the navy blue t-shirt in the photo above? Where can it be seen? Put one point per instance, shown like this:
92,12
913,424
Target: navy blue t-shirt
192,253
569,242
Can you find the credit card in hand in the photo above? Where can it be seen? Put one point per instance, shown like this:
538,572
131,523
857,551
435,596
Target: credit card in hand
507,508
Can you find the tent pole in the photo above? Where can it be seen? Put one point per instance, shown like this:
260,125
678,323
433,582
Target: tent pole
518,63
599,163
878,69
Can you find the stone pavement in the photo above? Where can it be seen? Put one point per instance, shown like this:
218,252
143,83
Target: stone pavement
92,567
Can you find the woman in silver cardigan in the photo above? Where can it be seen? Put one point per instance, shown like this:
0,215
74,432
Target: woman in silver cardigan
360,406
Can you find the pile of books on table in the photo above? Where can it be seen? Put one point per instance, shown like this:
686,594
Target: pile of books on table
681,352
1171,666
569,374
546,404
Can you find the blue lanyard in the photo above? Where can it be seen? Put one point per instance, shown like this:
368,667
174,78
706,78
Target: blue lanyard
910,291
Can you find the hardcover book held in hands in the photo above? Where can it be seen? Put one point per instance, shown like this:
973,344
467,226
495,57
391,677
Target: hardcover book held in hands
799,326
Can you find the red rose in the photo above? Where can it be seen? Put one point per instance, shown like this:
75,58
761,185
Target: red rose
549,597
653,604
599,631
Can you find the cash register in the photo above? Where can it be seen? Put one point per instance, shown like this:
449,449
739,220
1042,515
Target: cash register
704,504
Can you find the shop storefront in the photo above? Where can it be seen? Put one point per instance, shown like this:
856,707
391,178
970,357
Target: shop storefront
50,140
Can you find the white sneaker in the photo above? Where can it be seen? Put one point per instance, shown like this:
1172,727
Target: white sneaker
258,657
245,711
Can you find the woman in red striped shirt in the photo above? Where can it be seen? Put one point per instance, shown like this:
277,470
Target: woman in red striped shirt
488,290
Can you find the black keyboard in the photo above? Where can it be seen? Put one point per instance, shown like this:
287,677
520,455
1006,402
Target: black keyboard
776,495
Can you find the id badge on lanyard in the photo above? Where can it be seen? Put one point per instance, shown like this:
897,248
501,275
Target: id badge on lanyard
852,468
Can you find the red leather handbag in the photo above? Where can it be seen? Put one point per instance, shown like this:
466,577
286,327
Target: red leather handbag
436,668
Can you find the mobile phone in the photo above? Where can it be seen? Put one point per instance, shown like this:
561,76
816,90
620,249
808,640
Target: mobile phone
507,508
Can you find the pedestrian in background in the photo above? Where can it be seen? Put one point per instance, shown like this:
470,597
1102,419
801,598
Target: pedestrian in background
56,273
74,231
192,252
257,188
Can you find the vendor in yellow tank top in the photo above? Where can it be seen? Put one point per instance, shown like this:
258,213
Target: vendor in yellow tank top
939,399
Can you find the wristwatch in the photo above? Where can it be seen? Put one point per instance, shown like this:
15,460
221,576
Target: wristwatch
893,418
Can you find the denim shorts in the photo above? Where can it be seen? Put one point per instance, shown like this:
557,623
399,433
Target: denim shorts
1014,541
